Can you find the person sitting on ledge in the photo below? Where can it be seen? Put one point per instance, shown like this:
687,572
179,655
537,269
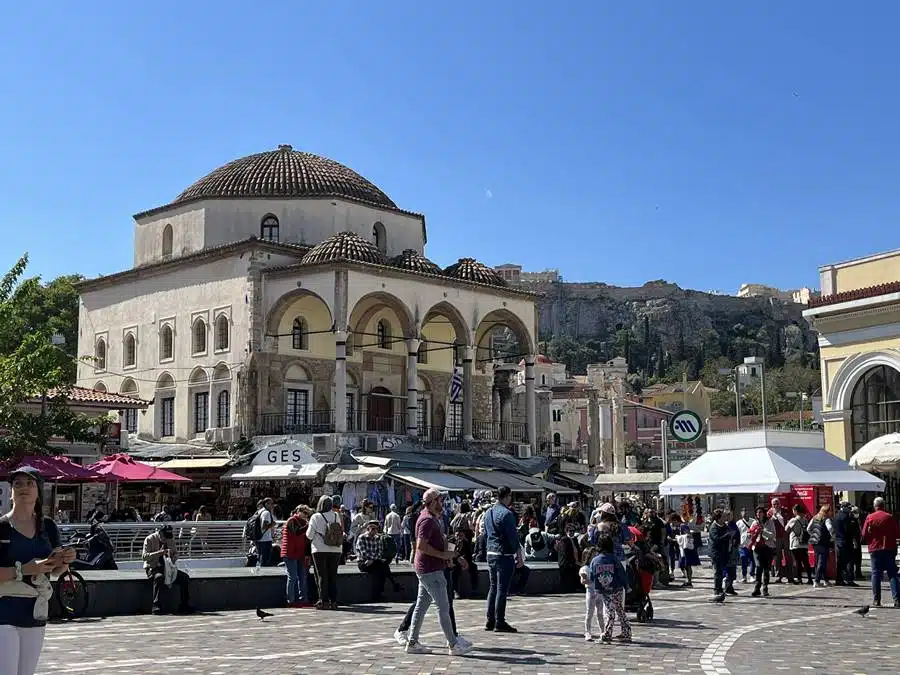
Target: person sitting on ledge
370,559
158,552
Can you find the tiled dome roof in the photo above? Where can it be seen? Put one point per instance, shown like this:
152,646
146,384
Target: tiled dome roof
285,173
414,261
345,246
469,269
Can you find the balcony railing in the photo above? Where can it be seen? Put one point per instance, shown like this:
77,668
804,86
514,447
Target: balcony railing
308,422
488,430
565,451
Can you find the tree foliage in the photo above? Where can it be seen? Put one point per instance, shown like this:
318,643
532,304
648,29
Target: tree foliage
31,365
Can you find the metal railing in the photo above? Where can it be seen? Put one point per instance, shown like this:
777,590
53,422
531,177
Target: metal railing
382,423
489,430
204,539
308,422
566,451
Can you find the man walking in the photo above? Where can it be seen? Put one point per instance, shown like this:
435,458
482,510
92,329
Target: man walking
504,554
845,536
881,532
266,527
432,558
392,528
782,561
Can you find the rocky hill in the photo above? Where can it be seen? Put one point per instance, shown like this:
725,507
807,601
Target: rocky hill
664,330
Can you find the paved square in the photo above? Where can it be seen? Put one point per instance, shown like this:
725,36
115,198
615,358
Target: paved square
798,629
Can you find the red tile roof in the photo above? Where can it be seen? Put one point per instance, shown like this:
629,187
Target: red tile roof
103,399
856,294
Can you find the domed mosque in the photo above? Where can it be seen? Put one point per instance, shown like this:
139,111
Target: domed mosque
285,293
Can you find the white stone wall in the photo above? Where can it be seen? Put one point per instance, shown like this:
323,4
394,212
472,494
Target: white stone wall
215,222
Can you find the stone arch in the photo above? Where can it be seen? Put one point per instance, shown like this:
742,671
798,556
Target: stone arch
100,386
296,372
165,381
198,376
379,237
368,306
506,318
221,372
423,384
129,387
283,304
852,369
167,241
199,336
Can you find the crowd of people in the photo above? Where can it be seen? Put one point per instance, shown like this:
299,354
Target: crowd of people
445,539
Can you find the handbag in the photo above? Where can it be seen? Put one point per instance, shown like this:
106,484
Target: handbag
170,572
685,542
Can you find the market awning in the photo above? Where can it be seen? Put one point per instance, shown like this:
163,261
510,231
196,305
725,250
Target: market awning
625,482
547,486
356,474
275,472
585,479
440,480
123,468
765,462
58,469
196,463
879,454
496,479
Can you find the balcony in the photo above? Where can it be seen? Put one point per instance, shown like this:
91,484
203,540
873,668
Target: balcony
307,422
564,451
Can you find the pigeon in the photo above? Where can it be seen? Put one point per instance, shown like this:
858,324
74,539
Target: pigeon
262,615
862,611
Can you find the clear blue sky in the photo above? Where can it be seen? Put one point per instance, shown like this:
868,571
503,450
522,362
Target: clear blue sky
707,143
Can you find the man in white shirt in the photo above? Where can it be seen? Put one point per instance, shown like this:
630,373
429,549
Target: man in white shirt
392,527
266,526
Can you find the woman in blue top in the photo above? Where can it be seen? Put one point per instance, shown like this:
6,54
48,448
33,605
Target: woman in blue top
29,553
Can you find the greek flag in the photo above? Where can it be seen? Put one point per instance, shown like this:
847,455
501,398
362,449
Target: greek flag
456,386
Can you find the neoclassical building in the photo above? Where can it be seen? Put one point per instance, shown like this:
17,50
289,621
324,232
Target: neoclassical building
858,320
285,293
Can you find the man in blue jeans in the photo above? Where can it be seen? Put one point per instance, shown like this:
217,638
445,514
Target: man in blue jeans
881,532
504,554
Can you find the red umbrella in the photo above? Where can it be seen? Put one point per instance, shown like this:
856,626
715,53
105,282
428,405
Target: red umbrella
124,468
55,469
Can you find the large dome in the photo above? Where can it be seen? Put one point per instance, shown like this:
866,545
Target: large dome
285,173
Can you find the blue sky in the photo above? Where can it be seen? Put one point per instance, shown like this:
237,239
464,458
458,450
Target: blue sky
706,143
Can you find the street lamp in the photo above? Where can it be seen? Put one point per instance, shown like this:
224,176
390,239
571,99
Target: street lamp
757,361
801,395
735,372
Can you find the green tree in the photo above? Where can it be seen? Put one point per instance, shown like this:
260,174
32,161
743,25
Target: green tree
30,367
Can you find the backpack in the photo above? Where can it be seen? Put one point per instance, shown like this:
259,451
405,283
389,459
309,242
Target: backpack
253,527
389,547
804,536
604,579
334,532
537,541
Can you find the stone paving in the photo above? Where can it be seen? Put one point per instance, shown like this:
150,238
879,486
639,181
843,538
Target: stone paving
798,629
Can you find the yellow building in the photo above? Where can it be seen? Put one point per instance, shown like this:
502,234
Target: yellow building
679,396
858,320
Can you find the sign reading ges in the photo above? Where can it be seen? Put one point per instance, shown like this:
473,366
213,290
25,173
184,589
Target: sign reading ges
685,426
285,456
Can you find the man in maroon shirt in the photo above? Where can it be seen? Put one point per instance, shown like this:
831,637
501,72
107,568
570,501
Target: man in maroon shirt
881,533
432,557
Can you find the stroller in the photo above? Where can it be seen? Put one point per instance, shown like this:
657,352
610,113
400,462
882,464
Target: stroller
640,566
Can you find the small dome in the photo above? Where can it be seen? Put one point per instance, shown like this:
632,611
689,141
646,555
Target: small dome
285,173
469,269
345,246
414,261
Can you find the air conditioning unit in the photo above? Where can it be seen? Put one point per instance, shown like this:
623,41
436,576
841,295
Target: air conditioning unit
210,435
372,444
227,435
523,451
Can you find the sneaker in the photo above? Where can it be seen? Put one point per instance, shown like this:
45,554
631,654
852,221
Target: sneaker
744,580
730,591
489,626
589,638
876,604
459,649
755,594
461,640
504,628
896,604
416,648
765,592
606,640
402,637
623,638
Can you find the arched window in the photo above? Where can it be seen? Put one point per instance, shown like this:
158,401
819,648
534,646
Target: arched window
300,334
223,409
380,236
557,440
422,356
268,229
543,380
199,345
167,241
100,354
875,406
383,332
129,351
166,343
222,333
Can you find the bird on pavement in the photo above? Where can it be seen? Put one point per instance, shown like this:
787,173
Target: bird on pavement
862,611
262,615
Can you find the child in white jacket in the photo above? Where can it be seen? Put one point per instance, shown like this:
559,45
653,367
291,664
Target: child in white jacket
593,605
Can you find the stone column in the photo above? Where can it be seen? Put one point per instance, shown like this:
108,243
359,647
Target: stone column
468,357
412,388
211,422
340,382
593,457
530,403
495,411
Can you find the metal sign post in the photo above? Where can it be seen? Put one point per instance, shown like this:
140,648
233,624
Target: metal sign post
664,435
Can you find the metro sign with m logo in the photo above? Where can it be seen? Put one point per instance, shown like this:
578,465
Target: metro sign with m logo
685,426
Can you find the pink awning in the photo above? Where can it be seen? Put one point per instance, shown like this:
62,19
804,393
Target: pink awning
124,468
55,469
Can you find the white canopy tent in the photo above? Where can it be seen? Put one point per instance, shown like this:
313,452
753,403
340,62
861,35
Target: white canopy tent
765,462
879,454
